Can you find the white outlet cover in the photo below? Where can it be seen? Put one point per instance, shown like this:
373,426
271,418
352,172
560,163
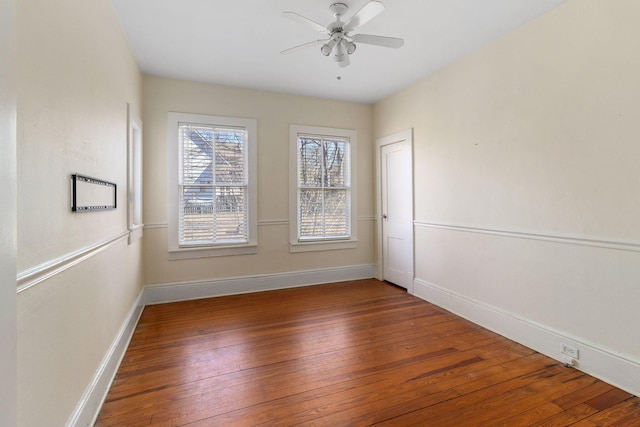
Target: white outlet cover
569,350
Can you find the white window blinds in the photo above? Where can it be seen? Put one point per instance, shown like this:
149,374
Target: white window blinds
324,189
213,185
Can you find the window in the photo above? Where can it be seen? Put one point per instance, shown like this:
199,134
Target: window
321,204
212,186
134,176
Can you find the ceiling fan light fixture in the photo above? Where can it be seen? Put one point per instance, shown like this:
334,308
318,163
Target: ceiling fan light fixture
350,47
340,55
342,60
327,48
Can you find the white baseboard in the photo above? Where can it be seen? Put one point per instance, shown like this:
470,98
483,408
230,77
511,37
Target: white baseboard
182,291
87,409
615,369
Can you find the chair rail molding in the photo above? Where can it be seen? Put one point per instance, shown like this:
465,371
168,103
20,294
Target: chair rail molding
33,276
547,237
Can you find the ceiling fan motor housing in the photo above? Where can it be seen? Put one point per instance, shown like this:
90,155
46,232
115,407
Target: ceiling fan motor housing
338,9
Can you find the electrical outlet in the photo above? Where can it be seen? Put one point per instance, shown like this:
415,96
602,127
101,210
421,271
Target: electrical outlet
569,351
570,362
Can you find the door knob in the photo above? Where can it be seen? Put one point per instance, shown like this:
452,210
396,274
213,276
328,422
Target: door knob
384,216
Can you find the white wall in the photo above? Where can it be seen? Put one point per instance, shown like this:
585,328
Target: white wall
77,276
274,112
527,184
8,330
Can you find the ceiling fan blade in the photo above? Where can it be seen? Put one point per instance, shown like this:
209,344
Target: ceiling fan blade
301,47
364,15
305,21
383,41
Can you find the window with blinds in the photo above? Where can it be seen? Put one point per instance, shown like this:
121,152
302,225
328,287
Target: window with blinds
324,188
213,185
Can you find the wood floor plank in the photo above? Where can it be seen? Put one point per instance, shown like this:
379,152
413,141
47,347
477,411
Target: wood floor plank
531,416
625,413
355,353
608,399
567,417
597,388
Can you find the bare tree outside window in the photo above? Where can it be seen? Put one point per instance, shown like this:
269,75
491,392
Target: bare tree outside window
323,188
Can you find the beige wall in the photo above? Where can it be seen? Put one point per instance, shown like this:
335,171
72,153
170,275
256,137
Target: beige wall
274,112
8,330
525,171
526,176
76,76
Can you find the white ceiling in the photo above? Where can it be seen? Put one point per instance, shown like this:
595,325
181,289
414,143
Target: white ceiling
238,42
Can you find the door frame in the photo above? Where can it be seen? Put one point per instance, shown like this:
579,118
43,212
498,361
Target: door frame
381,142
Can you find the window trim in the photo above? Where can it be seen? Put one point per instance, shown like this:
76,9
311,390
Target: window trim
326,244
181,252
134,176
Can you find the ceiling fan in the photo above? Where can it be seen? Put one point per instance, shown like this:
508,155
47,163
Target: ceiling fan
340,43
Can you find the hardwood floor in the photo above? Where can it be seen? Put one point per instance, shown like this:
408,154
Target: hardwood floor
347,354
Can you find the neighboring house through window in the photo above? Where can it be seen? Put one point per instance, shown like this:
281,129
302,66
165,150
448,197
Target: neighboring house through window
322,205
212,185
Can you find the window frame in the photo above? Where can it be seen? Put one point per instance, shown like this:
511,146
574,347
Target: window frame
295,245
177,251
134,176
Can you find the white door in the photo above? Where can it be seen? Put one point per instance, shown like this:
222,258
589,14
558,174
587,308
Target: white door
396,209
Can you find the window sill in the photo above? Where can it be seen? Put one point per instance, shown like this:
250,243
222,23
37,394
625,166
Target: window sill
322,246
209,251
